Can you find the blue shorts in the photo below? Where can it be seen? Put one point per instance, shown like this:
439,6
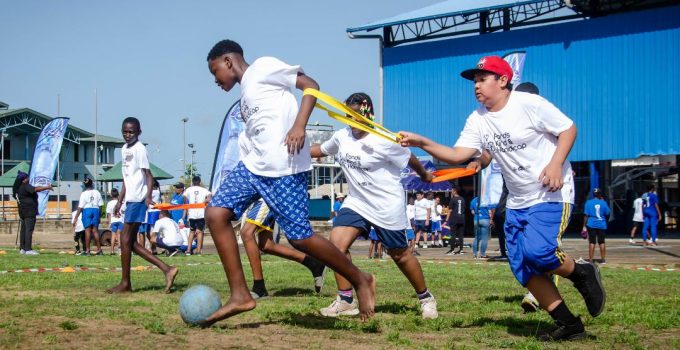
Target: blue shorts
435,226
410,235
143,228
260,216
533,237
116,226
420,226
286,197
135,212
90,217
162,245
152,217
372,235
391,239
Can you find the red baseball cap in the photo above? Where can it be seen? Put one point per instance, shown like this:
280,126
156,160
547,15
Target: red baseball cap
490,64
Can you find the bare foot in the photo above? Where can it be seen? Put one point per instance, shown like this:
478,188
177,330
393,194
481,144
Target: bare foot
121,288
170,278
231,308
366,295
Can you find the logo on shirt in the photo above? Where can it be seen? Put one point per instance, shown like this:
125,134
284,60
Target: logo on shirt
247,111
502,143
350,161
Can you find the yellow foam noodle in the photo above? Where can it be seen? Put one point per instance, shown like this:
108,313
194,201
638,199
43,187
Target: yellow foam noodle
2,252
139,268
361,122
68,269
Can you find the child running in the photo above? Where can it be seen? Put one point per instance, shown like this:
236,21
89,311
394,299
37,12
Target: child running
260,223
136,192
276,170
530,139
372,167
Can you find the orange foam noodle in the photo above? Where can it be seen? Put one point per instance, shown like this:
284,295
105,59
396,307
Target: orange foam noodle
168,206
451,174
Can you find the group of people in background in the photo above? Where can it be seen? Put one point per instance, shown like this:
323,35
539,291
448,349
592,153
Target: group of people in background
162,229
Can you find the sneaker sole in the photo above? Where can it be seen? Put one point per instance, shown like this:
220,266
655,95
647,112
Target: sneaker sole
320,280
598,278
529,307
352,312
577,336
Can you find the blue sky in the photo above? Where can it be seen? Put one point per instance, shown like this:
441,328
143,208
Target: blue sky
147,59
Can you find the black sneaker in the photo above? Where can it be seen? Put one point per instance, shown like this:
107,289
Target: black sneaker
259,295
590,287
565,332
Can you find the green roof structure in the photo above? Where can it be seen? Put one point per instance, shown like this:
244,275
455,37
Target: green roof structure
115,174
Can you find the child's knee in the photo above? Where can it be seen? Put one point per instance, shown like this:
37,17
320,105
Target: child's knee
215,215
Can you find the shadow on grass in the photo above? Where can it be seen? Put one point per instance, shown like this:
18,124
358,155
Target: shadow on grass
396,308
293,292
251,325
506,299
176,288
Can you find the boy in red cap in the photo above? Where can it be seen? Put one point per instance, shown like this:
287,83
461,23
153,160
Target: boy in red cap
530,139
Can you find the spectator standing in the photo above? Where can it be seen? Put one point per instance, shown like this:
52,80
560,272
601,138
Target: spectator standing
410,216
78,232
422,219
435,220
338,204
88,206
27,202
651,214
196,194
115,221
177,199
482,216
596,213
456,221
638,220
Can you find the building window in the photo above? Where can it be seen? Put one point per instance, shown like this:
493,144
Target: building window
76,153
85,158
76,176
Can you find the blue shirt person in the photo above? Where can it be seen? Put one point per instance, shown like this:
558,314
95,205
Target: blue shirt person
337,205
178,198
651,214
597,212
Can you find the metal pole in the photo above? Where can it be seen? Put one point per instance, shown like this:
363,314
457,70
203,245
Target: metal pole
95,137
2,167
184,146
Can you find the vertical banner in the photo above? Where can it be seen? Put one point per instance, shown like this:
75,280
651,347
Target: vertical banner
491,185
45,158
516,61
227,153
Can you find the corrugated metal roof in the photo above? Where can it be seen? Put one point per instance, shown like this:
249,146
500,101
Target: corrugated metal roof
442,9
615,76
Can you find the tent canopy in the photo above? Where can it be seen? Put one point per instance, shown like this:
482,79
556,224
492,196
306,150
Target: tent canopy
411,181
7,179
115,174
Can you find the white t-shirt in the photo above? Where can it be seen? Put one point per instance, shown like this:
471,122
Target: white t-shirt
134,160
168,229
90,199
637,205
196,194
156,198
410,212
269,109
522,138
79,224
109,210
436,212
421,207
372,167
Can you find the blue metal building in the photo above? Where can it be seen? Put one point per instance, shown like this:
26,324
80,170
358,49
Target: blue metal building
612,68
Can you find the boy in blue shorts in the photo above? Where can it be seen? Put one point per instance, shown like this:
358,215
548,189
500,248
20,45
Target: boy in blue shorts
596,213
88,207
530,139
115,221
276,170
136,192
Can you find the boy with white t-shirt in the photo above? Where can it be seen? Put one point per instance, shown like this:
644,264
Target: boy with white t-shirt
530,139
196,194
78,232
136,193
435,220
638,219
166,234
276,170
375,203
88,206
422,214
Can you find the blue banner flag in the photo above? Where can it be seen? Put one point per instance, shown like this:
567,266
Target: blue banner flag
45,157
227,153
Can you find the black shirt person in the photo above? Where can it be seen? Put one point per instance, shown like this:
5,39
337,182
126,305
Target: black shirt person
27,203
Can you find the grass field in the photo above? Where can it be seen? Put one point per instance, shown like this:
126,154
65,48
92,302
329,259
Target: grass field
478,305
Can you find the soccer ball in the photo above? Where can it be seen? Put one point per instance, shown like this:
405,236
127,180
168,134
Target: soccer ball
197,303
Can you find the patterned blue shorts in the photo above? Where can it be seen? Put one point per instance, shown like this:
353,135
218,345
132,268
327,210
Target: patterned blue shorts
285,196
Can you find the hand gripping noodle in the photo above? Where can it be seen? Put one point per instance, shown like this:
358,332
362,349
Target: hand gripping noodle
349,116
